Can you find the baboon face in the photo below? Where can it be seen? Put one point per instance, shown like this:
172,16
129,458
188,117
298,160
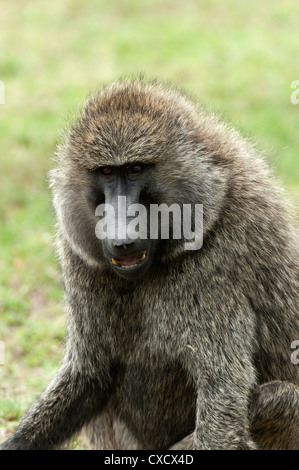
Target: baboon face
116,190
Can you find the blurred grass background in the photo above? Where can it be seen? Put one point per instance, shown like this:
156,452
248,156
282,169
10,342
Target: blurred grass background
237,58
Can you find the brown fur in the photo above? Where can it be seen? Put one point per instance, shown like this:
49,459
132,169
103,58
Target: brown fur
185,350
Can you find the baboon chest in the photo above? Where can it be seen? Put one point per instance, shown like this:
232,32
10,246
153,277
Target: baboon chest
156,400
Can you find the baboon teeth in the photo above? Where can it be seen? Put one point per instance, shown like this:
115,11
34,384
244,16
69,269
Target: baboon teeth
129,261
141,257
116,262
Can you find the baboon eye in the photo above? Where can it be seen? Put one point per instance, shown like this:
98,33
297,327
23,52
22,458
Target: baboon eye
134,169
106,170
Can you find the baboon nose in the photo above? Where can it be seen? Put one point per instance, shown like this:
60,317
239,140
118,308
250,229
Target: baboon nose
121,246
125,244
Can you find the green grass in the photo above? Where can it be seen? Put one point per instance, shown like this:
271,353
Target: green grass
236,58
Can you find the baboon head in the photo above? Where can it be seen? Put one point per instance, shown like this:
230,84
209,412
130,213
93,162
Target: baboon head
135,143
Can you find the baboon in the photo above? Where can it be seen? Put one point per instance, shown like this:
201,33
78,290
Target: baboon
168,347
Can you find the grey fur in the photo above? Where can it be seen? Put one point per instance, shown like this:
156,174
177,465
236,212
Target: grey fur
178,357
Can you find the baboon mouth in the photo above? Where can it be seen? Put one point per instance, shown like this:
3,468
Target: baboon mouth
129,261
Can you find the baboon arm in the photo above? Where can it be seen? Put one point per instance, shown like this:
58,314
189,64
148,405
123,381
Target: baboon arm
68,402
218,426
273,418
221,421
224,376
221,366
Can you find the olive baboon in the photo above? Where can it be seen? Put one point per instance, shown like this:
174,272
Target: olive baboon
167,345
